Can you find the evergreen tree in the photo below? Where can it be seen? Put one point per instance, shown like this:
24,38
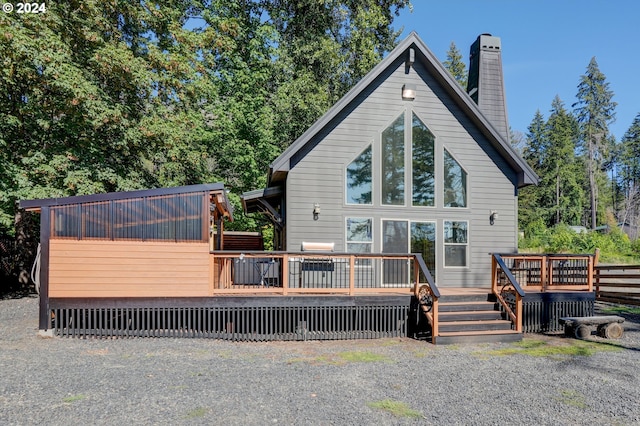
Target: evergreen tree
630,160
630,172
531,216
595,110
536,142
456,65
560,164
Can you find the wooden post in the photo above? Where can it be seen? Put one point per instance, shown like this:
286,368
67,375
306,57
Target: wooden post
352,275
590,261
45,236
518,313
212,271
494,275
285,274
434,322
544,273
416,272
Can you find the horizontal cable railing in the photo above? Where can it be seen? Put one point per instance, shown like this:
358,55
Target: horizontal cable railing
318,273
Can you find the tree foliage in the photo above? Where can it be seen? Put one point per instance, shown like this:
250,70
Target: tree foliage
595,110
107,96
456,66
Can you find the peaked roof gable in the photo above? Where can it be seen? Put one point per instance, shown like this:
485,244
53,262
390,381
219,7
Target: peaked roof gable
526,175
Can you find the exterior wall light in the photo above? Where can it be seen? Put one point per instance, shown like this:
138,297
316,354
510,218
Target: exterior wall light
316,211
408,92
493,216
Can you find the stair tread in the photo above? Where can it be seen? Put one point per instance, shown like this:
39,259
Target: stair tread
475,302
491,321
468,312
477,333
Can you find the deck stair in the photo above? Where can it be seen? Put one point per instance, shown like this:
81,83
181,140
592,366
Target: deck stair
472,318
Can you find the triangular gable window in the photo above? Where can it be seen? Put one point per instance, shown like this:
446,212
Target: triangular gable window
359,179
455,182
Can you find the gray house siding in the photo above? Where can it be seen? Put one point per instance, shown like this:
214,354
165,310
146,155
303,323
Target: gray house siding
318,176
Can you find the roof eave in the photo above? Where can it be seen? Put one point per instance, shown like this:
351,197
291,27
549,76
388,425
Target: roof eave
35,205
526,175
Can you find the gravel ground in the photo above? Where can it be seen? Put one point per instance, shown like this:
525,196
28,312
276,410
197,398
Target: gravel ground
60,381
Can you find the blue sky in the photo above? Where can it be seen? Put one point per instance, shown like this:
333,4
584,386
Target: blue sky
546,47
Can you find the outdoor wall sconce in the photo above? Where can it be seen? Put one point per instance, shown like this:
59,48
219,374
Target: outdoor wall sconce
408,92
493,216
316,211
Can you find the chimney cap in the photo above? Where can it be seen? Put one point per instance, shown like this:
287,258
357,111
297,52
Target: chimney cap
488,42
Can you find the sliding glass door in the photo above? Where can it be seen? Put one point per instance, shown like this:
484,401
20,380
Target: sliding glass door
402,236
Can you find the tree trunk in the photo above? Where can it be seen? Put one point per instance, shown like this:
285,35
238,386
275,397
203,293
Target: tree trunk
557,197
593,189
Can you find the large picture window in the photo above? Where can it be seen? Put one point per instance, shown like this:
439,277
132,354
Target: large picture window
455,182
393,163
422,149
456,242
359,179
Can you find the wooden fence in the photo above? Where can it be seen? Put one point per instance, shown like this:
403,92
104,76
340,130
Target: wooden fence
618,284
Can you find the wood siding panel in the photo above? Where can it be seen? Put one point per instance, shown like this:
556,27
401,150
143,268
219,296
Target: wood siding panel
93,268
319,177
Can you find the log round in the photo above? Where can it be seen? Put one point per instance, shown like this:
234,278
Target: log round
582,331
611,331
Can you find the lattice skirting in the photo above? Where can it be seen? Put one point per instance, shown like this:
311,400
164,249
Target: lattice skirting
234,318
542,311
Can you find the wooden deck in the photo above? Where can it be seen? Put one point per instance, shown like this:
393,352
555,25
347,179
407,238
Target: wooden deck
282,296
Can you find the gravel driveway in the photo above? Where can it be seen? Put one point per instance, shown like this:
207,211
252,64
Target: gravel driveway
58,381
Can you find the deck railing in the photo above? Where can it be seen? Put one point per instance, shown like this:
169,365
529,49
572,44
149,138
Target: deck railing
317,273
548,272
515,274
284,273
507,290
427,293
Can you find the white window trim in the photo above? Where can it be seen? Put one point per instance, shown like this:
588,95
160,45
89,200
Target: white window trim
344,183
445,244
435,167
347,242
468,193
406,112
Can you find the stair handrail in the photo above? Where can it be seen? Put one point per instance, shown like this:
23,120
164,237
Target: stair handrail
516,317
427,293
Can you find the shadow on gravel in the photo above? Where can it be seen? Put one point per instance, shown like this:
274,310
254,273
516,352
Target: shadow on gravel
18,294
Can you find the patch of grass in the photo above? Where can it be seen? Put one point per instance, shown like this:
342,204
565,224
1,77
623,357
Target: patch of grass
73,398
562,349
318,360
197,413
397,408
622,310
341,358
572,398
390,342
363,357
422,353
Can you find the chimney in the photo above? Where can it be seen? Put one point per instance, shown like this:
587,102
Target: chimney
485,84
